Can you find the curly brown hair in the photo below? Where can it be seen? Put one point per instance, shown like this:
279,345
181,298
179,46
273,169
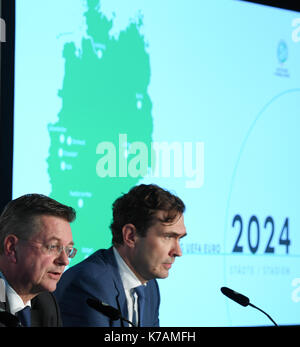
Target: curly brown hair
140,206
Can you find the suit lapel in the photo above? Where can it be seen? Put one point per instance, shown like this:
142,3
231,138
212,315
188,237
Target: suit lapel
3,298
120,292
6,318
36,319
3,306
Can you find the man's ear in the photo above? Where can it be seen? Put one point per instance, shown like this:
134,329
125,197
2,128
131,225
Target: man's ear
129,235
10,246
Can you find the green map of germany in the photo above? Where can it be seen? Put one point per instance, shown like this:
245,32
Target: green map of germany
104,94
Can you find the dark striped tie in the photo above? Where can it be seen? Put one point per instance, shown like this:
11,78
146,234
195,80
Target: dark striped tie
25,316
140,291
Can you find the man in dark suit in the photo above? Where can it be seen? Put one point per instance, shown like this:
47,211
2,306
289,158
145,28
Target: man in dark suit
35,246
147,227
44,313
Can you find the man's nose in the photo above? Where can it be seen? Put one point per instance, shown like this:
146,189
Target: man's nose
63,258
176,251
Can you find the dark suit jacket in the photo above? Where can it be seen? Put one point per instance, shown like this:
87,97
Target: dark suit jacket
98,277
44,312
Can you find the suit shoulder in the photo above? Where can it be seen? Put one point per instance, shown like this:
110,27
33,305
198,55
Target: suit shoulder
90,272
45,298
153,291
95,265
153,284
47,306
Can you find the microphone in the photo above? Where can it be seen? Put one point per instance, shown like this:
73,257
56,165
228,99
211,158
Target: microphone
242,300
109,311
235,296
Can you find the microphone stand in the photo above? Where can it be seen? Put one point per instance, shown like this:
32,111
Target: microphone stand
109,311
259,309
242,300
127,321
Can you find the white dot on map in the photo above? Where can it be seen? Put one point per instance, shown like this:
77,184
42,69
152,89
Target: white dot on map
99,54
80,203
62,138
63,165
60,152
139,104
69,140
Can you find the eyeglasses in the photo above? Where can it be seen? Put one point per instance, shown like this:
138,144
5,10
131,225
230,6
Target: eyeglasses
56,250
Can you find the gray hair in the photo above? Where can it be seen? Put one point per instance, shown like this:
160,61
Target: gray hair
19,216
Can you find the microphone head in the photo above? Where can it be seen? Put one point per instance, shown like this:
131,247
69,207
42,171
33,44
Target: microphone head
235,296
104,308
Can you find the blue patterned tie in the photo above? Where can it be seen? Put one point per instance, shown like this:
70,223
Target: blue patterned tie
140,291
25,316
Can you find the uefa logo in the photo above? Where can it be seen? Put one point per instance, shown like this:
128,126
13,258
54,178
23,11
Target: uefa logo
282,52
282,56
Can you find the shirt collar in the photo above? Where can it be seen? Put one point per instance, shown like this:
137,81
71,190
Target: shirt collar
128,278
14,300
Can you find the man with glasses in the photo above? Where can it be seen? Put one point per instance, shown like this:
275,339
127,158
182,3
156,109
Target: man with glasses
35,246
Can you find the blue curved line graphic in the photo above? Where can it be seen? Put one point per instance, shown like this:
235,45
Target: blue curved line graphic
294,90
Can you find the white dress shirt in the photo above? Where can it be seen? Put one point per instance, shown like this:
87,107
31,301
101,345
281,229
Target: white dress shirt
130,281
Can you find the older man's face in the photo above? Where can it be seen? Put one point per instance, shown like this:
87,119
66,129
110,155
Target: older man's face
38,268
